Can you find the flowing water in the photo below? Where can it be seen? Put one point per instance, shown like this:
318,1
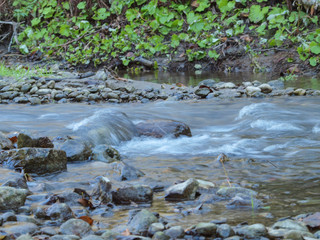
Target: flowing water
274,146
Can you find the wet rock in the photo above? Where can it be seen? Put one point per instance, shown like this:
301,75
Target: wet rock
160,236
299,92
312,220
298,235
182,191
224,231
251,91
228,85
105,153
40,212
59,211
5,142
230,192
102,191
277,84
12,198
290,225
20,228
317,234
202,92
48,231
76,227
17,182
265,88
155,227
43,91
234,238
24,218
76,150
35,101
122,171
92,237
9,217
21,100
207,82
162,128
26,141
140,223
244,201
205,229
252,231
109,235
129,194
65,237
25,237
35,160
175,232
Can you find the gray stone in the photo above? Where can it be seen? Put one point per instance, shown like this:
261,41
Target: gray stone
277,84
317,234
202,92
252,231
21,100
105,153
24,218
265,88
289,224
122,171
109,235
102,191
228,85
206,229
33,90
35,101
9,217
129,194
76,150
244,201
113,95
160,236
35,160
175,232
25,237
48,231
155,227
161,128
51,84
250,91
5,142
59,211
12,198
207,82
102,75
20,228
230,192
92,237
299,92
43,91
65,237
141,222
298,235
94,97
225,231
76,227
182,191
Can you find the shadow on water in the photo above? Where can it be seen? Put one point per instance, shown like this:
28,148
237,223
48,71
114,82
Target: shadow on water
192,78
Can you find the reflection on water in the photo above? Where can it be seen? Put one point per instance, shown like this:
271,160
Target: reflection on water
274,145
192,79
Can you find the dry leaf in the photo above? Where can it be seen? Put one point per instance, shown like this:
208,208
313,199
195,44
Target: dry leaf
14,139
28,177
87,219
86,203
195,4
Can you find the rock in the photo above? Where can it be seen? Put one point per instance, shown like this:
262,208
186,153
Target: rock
277,84
102,75
60,212
51,84
20,228
102,191
251,91
48,231
160,236
230,192
205,229
65,237
182,191
26,141
76,150
92,237
207,83
25,237
24,218
202,92
34,101
12,198
312,220
105,153
21,100
155,227
141,222
252,231
244,201
18,182
35,160
290,225
299,92
109,235
129,194
317,234
9,217
228,85
224,231
76,227
122,171
298,235
5,142
162,128
175,232
265,88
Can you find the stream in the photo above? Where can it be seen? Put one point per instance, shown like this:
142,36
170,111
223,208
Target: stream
274,146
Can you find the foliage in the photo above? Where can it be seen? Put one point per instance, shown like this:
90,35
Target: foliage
21,72
95,31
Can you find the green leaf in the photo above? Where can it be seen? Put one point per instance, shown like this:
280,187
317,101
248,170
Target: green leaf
35,21
81,5
313,61
154,25
257,14
151,7
65,30
66,5
101,14
24,49
315,47
225,5
203,4
131,14
175,41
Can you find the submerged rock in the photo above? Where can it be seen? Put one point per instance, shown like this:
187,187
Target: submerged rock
35,160
105,153
230,192
12,198
16,229
18,182
162,128
182,191
140,223
76,150
122,171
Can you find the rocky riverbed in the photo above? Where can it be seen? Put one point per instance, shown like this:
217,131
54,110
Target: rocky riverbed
31,209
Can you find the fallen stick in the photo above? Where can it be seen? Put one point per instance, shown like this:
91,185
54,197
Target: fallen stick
14,36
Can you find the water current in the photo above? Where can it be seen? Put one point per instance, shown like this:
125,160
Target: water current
274,146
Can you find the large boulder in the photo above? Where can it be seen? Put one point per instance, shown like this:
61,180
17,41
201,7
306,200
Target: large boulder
5,142
12,198
162,128
182,191
35,160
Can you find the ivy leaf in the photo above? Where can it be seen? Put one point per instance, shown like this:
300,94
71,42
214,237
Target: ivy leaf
35,21
315,47
257,14
66,5
65,30
203,4
313,61
225,5
81,5
175,41
151,7
101,14
131,14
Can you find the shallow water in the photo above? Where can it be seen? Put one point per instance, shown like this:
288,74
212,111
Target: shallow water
274,145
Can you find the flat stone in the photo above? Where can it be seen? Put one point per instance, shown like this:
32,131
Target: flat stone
182,191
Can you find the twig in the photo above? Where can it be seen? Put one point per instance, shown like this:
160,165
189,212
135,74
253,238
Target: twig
225,172
14,36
